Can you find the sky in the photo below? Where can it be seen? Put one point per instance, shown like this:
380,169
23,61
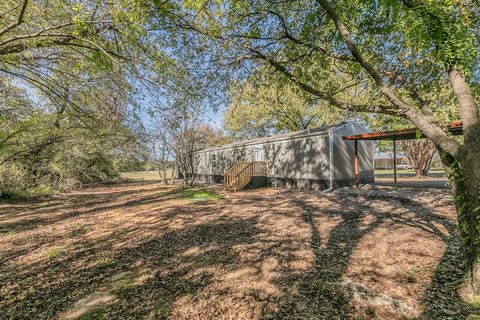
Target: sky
215,118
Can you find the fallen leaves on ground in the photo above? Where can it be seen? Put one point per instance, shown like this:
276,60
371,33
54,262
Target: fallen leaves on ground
148,251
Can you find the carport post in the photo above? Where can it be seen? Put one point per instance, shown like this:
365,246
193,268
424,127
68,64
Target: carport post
394,161
357,176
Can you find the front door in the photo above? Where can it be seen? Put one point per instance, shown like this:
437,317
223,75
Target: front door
257,154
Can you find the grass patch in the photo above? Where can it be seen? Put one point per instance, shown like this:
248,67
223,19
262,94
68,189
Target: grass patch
408,171
13,195
32,193
78,230
5,231
95,314
41,191
199,195
163,310
476,301
106,265
142,175
198,261
54,254
125,290
410,275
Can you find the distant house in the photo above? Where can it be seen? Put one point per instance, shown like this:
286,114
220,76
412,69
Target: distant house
316,159
384,160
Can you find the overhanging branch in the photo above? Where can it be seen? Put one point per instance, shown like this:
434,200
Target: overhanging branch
19,20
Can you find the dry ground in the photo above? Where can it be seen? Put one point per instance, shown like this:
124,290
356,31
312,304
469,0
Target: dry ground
406,178
146,251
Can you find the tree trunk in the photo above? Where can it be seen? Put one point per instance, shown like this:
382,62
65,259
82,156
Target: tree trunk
173,174
464,174
420,173
462,162
466,100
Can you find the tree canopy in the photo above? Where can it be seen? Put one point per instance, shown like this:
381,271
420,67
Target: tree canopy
69,72
263,105
75,76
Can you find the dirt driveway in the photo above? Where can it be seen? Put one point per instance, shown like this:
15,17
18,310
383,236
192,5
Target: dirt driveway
146,251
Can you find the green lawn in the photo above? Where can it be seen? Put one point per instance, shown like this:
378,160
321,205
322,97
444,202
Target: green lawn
200,194
141,175
407,171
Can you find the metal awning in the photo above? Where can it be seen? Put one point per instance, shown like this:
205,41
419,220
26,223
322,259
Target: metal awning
456,128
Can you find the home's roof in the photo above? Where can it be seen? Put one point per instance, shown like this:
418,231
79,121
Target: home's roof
278,137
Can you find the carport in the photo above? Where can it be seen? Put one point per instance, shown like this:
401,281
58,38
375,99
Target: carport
455,128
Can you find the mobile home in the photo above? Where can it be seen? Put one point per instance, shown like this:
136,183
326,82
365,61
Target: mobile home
315,158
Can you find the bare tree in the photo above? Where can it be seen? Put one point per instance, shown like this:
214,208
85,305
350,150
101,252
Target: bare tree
179,132
162,157
184,140
420,154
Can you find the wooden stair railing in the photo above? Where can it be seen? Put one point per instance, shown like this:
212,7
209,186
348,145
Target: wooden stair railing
230,174
240,175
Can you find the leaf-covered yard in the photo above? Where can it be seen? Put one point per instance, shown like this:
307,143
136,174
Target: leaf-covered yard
147,251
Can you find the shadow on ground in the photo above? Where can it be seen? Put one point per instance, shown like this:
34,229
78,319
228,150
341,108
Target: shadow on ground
326,293
143,251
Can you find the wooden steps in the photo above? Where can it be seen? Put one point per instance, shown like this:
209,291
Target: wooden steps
241,174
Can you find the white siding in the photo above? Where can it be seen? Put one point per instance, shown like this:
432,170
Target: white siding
303,158
344,151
